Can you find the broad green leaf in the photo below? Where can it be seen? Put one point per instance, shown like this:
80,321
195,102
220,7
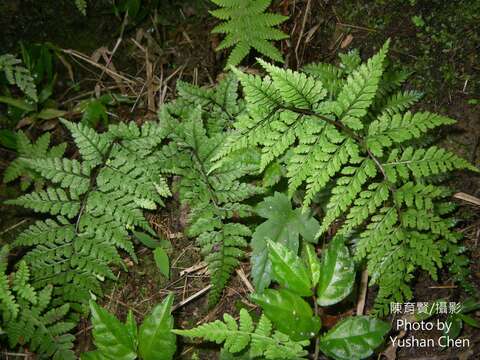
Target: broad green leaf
162,261
156,340
467,319
289,313
18,103
313,263
354,338
455,326
147,240
288,269
94,355
131,326
469,305
111,337
50,113
337,274
8,138
284,225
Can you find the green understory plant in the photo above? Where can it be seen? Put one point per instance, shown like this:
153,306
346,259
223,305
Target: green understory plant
96,202
34,75
27,317
323,282
81,6
247,26
27,152
153,340
195,125
457,319
345,133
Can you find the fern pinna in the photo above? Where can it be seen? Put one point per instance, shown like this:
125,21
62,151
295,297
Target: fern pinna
195,125
247,26
95,202
347,129
262,341
27,317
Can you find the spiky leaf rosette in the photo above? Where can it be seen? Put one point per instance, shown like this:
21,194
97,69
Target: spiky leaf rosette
214,195
262,340
247,26
97,199
346,131
28,318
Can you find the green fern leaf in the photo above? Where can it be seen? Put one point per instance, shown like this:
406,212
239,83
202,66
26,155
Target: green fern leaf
247,26
53,201
16,74
359,91
237,337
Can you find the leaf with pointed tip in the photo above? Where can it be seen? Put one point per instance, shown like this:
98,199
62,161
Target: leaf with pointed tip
111,336
162,261
337,274
156,340
284,225
313,263
288,269
354,338
131,326
284,309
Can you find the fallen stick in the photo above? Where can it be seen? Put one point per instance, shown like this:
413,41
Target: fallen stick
190,298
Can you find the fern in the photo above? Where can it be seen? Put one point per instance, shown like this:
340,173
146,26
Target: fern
29,152
81,6
262,340
96,200
246,26
213,194
28,318
19,75
347,130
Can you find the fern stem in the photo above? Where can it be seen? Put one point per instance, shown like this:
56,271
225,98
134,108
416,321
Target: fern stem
337,124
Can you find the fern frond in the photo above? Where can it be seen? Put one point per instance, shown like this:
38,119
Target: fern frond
17,74
339,144
213,192
26,321
247,26
81,6
236,337
99,198
359,90
92,146
28,153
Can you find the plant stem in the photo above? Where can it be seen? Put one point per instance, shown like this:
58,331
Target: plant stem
317,338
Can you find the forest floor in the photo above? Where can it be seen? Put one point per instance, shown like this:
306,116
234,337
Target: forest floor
438,43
